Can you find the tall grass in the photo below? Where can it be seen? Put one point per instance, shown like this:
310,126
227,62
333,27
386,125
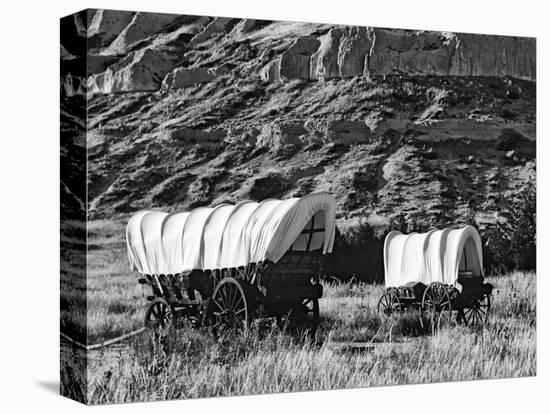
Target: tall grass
190,363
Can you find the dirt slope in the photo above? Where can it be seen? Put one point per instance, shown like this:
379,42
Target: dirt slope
186,111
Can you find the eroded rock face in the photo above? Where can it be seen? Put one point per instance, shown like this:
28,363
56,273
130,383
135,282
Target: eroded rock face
141,26
216,26
494,56
427,147
272,71
186,77
325,61
248,25
144,72
354,48
349,132
73,85
346,52
339,52
411,52
295,61
108,24
277,135
342,54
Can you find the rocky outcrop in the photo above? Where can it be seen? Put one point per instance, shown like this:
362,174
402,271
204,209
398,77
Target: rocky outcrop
346,52
482,55
141,26
424,147
277,135
108,24
248,25
442,54
144,71
342,54
355,47
186,77
272,71
72,85
295,61
349,132
216,26
324,63
411,52
99,63
308,52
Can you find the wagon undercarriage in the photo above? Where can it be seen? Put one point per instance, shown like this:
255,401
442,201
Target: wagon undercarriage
441,302
231,298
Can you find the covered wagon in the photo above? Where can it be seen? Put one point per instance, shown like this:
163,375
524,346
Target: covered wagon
440,271
228,263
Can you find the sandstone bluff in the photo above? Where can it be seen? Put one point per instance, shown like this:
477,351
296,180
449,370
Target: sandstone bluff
185,111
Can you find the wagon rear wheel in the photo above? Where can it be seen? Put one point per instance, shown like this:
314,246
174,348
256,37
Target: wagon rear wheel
436,302
159,315
478,312
389,304
229,307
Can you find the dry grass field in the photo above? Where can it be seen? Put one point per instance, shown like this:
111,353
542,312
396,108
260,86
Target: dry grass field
191,364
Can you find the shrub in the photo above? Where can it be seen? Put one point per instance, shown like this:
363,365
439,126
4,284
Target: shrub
512,244
357,253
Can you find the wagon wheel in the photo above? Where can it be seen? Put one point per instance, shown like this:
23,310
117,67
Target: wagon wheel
436,301
159,315
389,304
229,307
478,312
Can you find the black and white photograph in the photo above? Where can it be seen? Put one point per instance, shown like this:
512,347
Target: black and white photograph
275,207
254,206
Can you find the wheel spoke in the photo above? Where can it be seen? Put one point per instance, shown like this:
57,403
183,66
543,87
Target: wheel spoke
239,300
223,296
468,315
218,304
230,296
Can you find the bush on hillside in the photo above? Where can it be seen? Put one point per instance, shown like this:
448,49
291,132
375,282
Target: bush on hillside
512,244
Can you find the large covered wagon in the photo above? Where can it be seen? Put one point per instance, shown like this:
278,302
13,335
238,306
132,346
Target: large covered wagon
227,264
440,272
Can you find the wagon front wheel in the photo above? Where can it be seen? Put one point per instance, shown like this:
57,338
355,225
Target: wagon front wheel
436,302
389,304
229,307
478,312
159,315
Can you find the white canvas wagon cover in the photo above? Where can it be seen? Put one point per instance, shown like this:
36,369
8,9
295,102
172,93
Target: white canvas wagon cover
435,256
229,235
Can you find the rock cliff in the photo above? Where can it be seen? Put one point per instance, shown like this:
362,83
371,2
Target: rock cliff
186,111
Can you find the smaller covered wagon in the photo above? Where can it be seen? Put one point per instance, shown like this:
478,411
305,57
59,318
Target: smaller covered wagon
439,272
227,264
